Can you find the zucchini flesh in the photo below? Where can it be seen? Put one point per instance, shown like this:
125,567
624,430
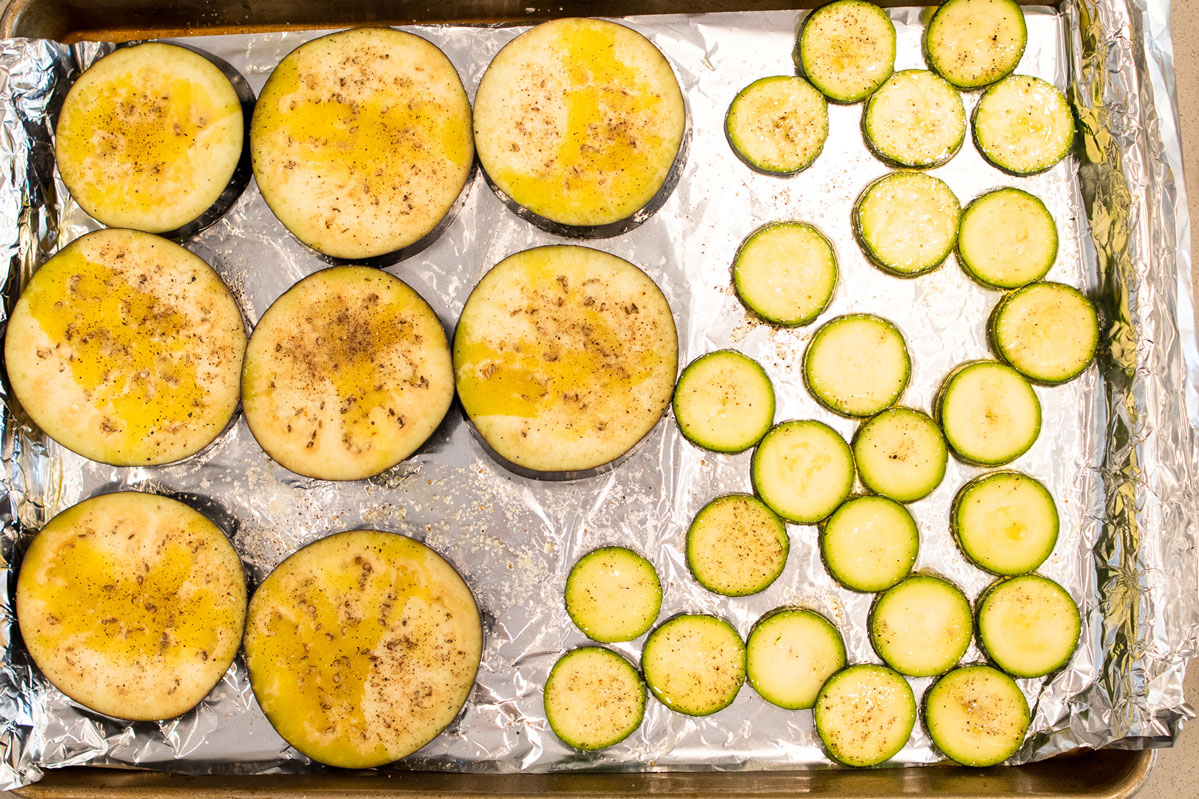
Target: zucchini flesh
847,49
976,715
132,605
1029,625
736,546
613,594
594,698
786,272
900,454
790,654
1004,522
973,43
802,470
126,349
1023,125
778,124
857,365
1048,332
694,664
922,626
989,413
865,714
915,119
907,222
1007,239
870,543
724,402
346,374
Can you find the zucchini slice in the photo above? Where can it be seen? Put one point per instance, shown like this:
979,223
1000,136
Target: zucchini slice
847,49
870,543
865,714
900,454
973,43
915,119
613,594
581,127
694,664
126,349
565,358
132,605
346,374
786,272
736,546
361,144
152,137
857,365
802,470
989,413
1004,522
1029,625
1048,332
976,715
1023,125
362,647
790,654
921,627
1007,239
907,222
778,125
724,402
594,698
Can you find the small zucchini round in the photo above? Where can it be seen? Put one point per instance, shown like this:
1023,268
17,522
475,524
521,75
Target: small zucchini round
869,544
1028,625
973,43
694,664
907,222
1023,125
847,49
915,119
802,470
1047,332
865,714
736,546
976,715
613,594
857,365
786,272
989,413
1007,239
594,698
778,125
901,454
724,402
789,655
922,626
1004,522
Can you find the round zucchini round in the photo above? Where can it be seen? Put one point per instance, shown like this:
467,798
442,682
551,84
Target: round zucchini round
594,698
973,43
724,402
786,273
989,413
870,543
1004,522
1029,625
847,49
915,119
922,626
907,222
694,664
790,654
976,715
778,125
736,545
865,714
1023,125
901,454
857,365
613,594
802,470
1007,239
1047,332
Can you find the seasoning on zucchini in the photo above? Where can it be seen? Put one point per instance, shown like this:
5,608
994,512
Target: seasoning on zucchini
869,544
901,454
790,654
132,605
915,119
724,402
865,714
1047,332
594,698
565,358
847,49
778,125
786,272
976,715
694,664
1007,239
1004,522
1028,625
907,222
857,365
362,647
736,546
126,349
581,127
1023,125
989,413
613,594
973,43
802,470
922,626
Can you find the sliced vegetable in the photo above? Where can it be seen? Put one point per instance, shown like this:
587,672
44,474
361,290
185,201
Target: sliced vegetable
973,43
1007,239
1023,125
802,470
865,714
847,49
724,402
870,543
857,365
1048,332
989,413
736,546
778,125
1004,522
694,664
915,119
922,626
786,272
900,454
613,594
976,715
594,698
790,654
907,222
1028,625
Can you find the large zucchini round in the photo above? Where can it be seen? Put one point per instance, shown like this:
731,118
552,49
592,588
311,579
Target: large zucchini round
847,49
973,43
1023,125
778,125
915,119
694,664
976,715
865,714
1046,331
594,698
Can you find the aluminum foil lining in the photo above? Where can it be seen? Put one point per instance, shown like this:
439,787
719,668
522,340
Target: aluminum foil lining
1117,449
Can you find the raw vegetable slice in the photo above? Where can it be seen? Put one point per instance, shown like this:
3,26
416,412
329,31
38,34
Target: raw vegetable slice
778,125
724,402
1007,239
973,43
1023,125
790,654
870,543
694,664
362,647
915,119
594,698
786,272
922,626
1004,522
907,222
857,365
802,470
736,546
132,605
989,413
580,124
613,594
346,374
1048,332
361,143
847,49
152,137
976,715
565,358
900,454
1028,625
865,714
126,349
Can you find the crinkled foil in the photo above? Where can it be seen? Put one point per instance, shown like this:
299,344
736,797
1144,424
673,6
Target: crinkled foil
1117,449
